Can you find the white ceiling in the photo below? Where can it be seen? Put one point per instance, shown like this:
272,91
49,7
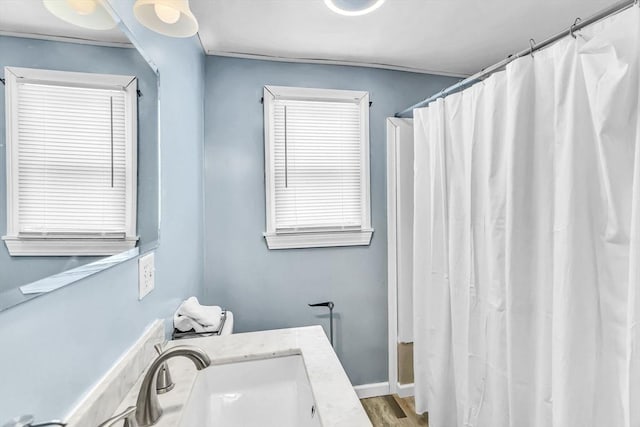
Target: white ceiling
457,37
29,18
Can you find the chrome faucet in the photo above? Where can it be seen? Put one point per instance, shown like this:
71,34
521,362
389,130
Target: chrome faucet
28,421
148,407
127,416
164,383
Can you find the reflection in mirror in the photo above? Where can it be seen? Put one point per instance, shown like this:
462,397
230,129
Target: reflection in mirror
79,153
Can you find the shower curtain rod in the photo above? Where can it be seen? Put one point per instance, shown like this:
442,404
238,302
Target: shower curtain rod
577,25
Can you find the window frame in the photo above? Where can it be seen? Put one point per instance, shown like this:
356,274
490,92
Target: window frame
87,245
316,238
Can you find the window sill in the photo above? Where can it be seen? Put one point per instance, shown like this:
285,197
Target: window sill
67,247
318,240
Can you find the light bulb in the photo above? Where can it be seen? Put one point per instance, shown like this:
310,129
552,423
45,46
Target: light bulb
82,7
166,14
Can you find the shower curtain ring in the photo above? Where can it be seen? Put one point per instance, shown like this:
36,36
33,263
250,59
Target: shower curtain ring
532,45
576,22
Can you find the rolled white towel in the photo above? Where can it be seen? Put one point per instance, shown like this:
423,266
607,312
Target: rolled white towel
203,314
191,315
186,324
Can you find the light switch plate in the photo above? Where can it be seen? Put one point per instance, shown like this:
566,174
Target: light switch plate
146,273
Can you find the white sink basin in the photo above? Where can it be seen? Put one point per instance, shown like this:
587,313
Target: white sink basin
267,392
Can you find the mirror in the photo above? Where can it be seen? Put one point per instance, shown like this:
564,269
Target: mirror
40,35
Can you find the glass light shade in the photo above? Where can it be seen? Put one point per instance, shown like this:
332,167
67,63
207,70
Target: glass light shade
166,14
89,14
169,17
353,7
83,7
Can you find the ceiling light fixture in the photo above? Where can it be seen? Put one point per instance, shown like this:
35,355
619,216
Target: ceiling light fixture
89,14
166,14
169,17
83,7
353,7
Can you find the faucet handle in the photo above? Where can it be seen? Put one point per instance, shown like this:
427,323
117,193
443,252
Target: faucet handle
164,383
128,415
27,421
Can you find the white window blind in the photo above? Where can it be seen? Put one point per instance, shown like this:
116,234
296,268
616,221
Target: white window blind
317,165
71,163
71,160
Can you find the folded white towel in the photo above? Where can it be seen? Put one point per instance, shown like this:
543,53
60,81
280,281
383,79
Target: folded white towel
185,324
203,314
191,315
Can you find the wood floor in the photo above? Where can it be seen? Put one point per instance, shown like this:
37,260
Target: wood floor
392,411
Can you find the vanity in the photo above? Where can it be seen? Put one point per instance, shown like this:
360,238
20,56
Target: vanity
285,378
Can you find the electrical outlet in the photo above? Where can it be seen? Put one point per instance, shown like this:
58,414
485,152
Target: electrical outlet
146,273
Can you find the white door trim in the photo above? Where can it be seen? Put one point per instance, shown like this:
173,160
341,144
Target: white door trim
393,136
392,270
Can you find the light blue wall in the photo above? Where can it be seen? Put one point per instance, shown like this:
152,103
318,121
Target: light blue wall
55,55
270,289
54,348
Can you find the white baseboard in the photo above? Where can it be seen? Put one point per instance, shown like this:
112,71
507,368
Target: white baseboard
372,390
405,390
382,389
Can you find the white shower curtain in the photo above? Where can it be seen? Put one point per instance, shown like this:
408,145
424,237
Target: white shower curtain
527,238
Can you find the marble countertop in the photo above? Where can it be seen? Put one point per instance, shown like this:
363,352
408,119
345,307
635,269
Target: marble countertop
336,402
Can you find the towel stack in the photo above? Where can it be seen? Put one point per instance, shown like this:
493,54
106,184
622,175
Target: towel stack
191,316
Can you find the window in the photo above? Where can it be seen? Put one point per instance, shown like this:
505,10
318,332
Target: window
71,168
317,167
